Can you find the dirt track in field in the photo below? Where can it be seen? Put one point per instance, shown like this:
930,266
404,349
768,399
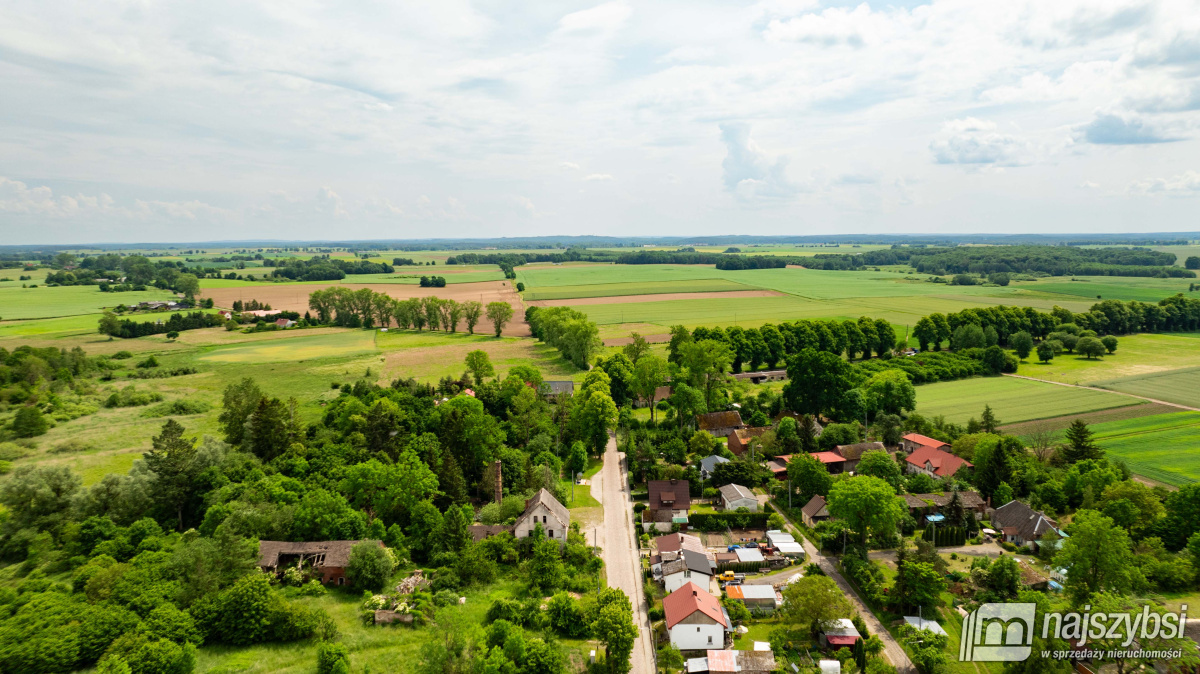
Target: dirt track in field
294,297
659,297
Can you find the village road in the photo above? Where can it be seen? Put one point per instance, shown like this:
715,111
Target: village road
620,551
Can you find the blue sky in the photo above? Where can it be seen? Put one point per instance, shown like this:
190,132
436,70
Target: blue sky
143,120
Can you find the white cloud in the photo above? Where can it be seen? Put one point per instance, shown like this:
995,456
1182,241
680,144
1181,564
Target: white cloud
598,176
1186,184
749,173
570,165
978,142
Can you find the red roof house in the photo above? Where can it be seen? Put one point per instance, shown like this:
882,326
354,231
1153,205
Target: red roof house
914,441
935,462
689,599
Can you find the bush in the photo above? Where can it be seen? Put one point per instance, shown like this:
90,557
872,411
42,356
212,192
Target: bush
179,407
333,659
30,422
148,363
121,355
370,566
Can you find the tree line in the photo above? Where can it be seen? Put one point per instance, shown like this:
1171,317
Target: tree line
366,308
566,329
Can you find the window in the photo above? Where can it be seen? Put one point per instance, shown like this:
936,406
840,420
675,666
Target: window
341,581
550,533
710,640
697,629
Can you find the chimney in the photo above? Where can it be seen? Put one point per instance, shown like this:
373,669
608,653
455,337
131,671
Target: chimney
499,483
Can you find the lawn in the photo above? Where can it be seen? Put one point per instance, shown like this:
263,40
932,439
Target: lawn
1135,355
1163,447
1179,386
1013,400
42,302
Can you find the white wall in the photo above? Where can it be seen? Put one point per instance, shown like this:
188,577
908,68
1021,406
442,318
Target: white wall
748,503
552,527
677,580
696,637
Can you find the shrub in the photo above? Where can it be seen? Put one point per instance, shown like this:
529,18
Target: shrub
333,659
30,422
148,363
312,588
178,407
121,355
370,566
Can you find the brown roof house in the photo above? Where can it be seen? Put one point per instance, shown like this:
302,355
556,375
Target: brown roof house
326,558
921,505
1021,524
814,512
669,504
853,453
739,439
720,424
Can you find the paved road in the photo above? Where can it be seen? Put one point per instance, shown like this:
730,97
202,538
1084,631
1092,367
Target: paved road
891,647
620,552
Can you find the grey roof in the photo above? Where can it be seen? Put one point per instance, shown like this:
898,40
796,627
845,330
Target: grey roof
749,555
709,463
336,553
694,561
925,624
557,387
733,492
543,496
1029,523
856,450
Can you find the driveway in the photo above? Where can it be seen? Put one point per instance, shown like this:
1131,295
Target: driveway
891,648
620,552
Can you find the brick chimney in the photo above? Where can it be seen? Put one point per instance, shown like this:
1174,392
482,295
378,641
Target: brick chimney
499,494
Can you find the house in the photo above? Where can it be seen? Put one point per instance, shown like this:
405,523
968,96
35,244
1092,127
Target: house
720,424
925,624
1020,524
668,505
709,463
545,510
261,313
818,429
694,619
762,376
669,546
226,314
730,661
935,462
761,597
734,496
283,323
689,567
779,465
327,558
922,505
660,393
814,512
852,453
739,440
725,559
842,633
785,544
553,389
914,441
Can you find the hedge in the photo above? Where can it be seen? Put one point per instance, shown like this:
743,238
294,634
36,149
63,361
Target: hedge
710,522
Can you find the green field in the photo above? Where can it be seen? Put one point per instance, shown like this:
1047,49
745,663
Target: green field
621,289
1144,354
1012,399
1181,387
1163,447
296,345
20,303
1113,288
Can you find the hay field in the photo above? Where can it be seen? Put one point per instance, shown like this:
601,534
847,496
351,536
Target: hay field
1164,447
1012,399
18,303
300,347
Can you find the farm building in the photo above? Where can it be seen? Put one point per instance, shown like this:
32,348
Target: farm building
545,510
669,501
709,463
739,440
328,558
779,465
749,555
1020,524
728,662
814,512
834,463
914,441
785,544
760,376
689,567
935,462
482,531
695,620
734,496
760,597
719,424
842,633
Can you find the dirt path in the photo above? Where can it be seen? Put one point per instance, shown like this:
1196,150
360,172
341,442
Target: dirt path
895,653
1104,390
657,297
619,550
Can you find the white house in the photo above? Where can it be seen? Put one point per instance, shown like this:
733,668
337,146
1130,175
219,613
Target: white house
545,510
695,620
785,544
689,567
734,496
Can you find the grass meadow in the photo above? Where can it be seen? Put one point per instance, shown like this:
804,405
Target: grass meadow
1136,355
1012,399
1156,446
626,289
1181,387
18,303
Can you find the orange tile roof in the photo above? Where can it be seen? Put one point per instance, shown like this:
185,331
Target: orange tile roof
687,600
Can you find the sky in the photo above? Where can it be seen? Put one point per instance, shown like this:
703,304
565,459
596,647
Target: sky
202,120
